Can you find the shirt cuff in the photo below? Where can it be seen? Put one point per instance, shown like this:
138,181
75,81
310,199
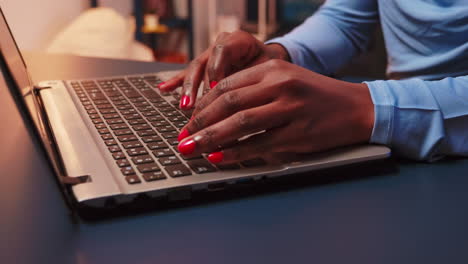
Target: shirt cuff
383,113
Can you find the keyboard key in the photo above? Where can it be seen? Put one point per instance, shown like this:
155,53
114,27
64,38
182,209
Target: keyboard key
173,141
108,111
149,167
127,138
94,116
114,121
110,142
141,127
171,134
132,179
233,166
123,163
160,123
201,166
178,170
156,145
100,126
127,171
180,124
114,148
128,112
103,131
148,132
107,136
123,132
119,126
137,122
164,152
104,106
132,144
156,118
154,176
171,160
132,116
137,152
111,116
151,113
167,128
142,159
118,155
149,139
97,121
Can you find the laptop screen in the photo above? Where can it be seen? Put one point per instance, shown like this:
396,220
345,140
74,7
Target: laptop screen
17,69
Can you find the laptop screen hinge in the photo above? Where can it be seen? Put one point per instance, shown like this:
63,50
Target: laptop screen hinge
75,180
39,88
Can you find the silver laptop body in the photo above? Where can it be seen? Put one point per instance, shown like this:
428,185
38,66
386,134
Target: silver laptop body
99,153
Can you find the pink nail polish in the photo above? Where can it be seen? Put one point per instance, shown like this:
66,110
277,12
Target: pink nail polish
187,147
216,157
160,85
213,84
183,134
184,102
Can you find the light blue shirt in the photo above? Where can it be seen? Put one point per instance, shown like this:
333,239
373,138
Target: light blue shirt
423,113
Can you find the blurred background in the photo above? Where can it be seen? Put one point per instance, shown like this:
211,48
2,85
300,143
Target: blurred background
160,30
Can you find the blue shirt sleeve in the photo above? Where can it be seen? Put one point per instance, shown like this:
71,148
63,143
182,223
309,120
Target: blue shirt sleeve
420,119
339,30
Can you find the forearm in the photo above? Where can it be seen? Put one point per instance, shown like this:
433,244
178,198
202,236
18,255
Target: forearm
421,119
332,36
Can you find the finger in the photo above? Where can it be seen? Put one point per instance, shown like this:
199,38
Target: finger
172,83
266,146
192,79
229,104
231,53
239,125
238,80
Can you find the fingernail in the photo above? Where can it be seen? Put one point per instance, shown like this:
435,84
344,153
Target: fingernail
191,118
160,85
184,102
216,157
183,134
213,84
187,147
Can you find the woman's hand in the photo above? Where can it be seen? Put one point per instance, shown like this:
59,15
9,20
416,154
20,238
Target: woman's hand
230,53
286,107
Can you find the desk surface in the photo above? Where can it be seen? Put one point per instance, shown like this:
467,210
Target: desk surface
416,213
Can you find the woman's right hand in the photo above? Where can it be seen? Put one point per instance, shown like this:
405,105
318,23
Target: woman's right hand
230,53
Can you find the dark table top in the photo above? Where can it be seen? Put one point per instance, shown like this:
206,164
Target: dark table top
400,212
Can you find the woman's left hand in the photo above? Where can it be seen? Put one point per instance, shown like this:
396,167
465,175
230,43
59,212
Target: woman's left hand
284,108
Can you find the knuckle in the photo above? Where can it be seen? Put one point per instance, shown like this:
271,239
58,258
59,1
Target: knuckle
244,120
198,122
199,106
224,85
196,62
187,85
275,64
208,137
231,100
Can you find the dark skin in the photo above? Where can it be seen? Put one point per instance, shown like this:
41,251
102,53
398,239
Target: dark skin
289,109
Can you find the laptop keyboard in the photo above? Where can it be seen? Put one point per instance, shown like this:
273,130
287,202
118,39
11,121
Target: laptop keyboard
140,128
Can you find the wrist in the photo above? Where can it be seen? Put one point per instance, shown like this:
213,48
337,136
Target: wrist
364,113
277,51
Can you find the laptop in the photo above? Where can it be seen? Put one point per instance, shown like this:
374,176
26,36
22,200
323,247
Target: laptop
113,140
